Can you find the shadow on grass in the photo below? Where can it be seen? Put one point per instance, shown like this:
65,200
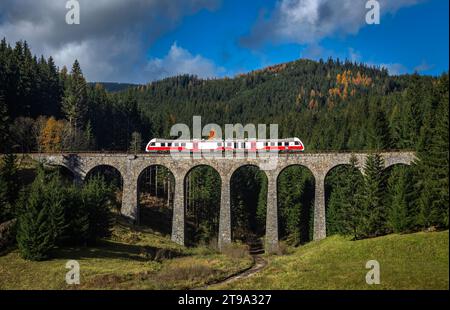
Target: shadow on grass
113,250
157,218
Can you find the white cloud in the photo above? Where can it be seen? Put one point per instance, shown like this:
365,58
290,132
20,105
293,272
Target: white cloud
181,61
112,39
310,21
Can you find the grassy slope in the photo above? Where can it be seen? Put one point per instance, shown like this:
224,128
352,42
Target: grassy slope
123,262
416,261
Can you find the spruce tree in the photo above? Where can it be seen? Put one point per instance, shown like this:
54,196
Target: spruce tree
344,206
41,220
261,208
97,199
74,104
372,217
379,136
413,100
76,230
433,167
401,207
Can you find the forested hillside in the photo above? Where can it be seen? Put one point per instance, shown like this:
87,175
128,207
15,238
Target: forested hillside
330,105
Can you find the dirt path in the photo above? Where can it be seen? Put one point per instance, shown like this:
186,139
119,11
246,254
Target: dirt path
259,263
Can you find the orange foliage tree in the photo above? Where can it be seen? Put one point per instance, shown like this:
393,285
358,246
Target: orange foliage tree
50,139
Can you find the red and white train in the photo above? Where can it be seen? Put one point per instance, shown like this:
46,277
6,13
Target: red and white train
192,146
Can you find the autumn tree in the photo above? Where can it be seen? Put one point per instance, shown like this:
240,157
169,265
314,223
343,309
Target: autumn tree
50,139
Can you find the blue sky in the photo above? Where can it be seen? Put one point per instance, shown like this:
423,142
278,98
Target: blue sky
412,39
143,40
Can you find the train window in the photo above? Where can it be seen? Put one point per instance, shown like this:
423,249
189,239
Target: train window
280,144
175,144
297,143
229,144
219,144
163,144
169,144
236,146
183,144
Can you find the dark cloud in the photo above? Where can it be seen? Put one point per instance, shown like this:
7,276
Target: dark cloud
112,39
310,21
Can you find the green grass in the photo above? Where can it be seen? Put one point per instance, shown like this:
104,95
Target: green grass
129,260
142,260
415,261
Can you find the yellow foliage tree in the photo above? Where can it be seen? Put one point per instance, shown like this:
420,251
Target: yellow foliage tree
50,139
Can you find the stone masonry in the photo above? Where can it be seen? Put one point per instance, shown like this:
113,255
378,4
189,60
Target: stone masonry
131,166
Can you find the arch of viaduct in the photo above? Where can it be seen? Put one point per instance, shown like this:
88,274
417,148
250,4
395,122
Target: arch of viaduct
131,167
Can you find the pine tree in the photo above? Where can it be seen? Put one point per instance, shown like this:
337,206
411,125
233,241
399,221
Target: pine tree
414,98
41,220
76,231
401,215
34,236
433,167
97,198
89,139
344,206
74,105
291,185
373,214
379,136
261,208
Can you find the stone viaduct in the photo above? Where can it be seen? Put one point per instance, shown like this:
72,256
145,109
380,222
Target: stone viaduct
131,167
